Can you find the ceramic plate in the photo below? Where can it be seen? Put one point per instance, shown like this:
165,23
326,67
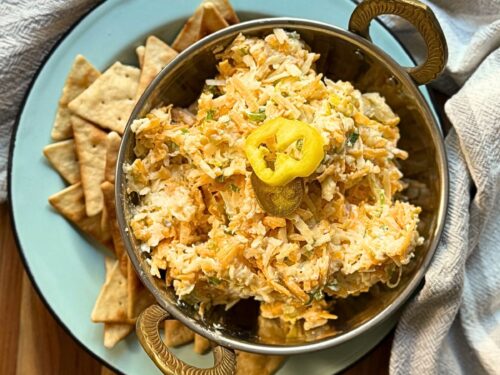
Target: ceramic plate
67,269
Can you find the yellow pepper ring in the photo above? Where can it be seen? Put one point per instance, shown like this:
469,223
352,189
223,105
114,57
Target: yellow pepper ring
276,136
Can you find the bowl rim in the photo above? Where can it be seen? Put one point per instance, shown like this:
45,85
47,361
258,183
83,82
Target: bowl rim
437,138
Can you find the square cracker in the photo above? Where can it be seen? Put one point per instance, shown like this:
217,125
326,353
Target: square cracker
139,297
112,147
157,54
80,77
108,191
62,156
91,150
105,225
109,101
71,204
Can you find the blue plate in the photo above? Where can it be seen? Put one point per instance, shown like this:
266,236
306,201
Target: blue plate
68,270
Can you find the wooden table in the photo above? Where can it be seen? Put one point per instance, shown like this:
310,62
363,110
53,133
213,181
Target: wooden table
33,343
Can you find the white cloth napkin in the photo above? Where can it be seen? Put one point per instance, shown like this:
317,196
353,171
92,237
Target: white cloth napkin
28,30
452,326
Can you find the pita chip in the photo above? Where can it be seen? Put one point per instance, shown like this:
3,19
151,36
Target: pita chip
139,297
109,263
201,344
226,10
257,364
108,191
115,332
70,203
91,150
139,51
112,147
205,20
62,156
111,304
190,32
109,101
80,77
212,19
157,54
177,334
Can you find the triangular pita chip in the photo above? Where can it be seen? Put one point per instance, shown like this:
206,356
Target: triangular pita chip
108,191
71,204
226,10
115,332
190,32
111,304
109,101
91,150
205,20
81,76
257,364
177,334
62,156
201,344
112,147
139,297
156,56
212,19
109,263
140,55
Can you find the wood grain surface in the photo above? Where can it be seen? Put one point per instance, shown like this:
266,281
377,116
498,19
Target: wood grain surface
33,343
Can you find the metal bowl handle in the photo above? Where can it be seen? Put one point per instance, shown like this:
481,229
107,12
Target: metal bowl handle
148,332
418,14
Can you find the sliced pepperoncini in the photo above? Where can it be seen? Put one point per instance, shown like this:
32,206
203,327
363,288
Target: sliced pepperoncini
279,201
271,143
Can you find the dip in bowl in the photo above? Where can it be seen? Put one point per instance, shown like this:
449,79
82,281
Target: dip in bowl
222,256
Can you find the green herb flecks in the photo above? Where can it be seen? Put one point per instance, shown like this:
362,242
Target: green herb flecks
334,285
243,50
184,131
316,295
381,197
352,138
220,179
214,90
212,280
234,188
172,146
260,115
210,114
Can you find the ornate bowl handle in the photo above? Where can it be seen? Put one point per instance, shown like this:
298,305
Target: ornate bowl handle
422,17
148,325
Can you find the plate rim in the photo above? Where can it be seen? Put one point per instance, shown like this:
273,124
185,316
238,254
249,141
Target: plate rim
10,166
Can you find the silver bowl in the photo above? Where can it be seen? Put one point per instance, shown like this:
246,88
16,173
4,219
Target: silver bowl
345,55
